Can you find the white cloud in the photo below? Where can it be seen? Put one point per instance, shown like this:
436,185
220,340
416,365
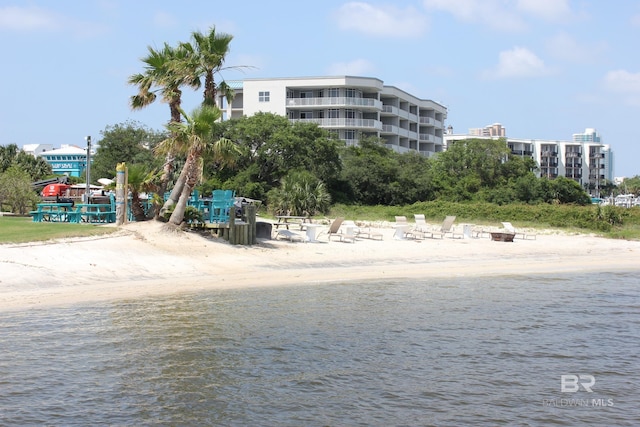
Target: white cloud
622,81
501,14
493,13
357,67
564,47
28,19
549,10
517,62
625,83
387,21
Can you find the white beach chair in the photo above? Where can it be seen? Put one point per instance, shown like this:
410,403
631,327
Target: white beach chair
291,236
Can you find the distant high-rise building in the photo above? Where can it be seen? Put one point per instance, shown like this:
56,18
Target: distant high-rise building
584,159
495,129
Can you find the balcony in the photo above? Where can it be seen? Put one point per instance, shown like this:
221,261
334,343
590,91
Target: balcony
426,137
570,174
367,124
522,153
331,102
572,155
390,129
390,109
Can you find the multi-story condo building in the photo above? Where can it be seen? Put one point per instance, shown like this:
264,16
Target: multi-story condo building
348,106
584,159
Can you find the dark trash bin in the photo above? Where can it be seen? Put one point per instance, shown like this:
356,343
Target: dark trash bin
263,230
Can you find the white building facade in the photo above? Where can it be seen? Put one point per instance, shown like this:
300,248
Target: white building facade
584,159
36,149
348,106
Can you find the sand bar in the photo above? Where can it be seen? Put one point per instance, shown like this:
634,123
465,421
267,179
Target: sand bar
141,259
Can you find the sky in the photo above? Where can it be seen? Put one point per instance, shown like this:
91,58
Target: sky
544,69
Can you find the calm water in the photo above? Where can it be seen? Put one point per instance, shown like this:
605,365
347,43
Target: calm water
479,352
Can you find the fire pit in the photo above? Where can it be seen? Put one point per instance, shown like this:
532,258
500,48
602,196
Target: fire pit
502,237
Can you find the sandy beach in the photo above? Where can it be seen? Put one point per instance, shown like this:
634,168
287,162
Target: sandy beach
140,259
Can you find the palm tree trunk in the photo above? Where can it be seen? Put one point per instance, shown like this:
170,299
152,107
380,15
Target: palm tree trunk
174,107
175,192
191,175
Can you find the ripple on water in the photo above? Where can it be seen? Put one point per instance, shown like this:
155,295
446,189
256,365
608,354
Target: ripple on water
468,351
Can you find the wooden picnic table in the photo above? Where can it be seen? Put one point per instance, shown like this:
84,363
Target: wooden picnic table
52,212
287,220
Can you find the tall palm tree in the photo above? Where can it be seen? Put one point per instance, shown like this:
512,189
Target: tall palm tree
208,53
140,179
195,136
203,58
163,75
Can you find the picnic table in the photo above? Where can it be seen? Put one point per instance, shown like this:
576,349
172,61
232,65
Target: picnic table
287,220
52,212
94,212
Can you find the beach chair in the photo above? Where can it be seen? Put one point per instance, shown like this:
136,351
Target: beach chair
369,233
509,228
420,229
447,229
334,231
291,236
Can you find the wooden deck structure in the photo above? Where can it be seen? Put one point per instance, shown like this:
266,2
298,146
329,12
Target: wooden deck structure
236,232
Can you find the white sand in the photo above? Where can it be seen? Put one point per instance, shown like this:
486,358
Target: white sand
141,260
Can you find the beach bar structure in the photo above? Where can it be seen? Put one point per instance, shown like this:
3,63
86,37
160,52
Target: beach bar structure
236,231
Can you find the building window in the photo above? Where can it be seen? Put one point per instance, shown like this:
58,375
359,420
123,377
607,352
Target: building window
334,113
349,134
334,92
264,96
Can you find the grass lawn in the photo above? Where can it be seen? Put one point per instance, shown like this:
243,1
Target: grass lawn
23,229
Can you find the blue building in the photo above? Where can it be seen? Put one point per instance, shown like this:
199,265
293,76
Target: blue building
68,160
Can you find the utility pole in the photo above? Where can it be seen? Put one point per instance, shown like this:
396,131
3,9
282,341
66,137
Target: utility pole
87,191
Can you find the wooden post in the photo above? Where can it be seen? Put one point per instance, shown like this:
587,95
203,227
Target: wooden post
232,226
251,220
121,196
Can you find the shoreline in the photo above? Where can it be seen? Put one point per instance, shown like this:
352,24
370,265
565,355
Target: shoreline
141,260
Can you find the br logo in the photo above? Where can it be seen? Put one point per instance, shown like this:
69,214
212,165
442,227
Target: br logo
572,383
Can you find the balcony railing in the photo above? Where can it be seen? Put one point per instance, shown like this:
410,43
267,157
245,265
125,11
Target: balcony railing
390,109
335,102
522,152
343,123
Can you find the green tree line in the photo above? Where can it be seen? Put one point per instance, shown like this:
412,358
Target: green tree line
292,167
